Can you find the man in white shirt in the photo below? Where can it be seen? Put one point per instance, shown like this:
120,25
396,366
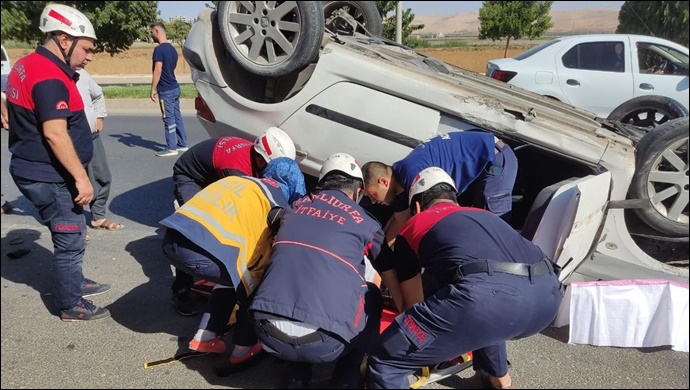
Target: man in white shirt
99,171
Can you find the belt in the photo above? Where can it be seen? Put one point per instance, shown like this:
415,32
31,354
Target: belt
519,269
278,334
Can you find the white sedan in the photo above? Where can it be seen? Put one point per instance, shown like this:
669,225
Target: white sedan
635,79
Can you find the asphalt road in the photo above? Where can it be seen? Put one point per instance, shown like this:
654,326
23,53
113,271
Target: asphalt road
40,351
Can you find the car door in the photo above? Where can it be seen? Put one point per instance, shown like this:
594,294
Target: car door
366,123
591,77
660,70
568,230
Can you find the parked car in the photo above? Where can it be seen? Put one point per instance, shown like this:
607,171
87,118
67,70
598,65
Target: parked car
636,79
6,63
585,190
6,66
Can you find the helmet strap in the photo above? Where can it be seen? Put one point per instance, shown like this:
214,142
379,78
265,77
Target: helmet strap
67,56
358,198
71,50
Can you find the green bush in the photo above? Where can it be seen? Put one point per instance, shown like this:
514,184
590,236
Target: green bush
452,43
417,43
188,91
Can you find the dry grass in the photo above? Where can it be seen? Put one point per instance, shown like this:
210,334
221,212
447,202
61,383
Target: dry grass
470,58
137,60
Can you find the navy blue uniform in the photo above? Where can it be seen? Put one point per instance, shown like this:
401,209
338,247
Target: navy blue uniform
316,277
42,87
467,252
476,161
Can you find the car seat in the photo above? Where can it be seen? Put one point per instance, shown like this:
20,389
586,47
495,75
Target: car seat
551,217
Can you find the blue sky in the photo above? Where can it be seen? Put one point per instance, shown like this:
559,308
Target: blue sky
190,9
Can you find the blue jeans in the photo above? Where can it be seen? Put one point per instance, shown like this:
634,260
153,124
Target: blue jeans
194,260
175,135
184,188
67,225
493,189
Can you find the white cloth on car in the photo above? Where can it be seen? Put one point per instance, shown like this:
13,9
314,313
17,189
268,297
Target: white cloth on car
627,313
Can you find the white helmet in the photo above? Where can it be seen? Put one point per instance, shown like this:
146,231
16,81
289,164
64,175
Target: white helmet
428,178
59,17
343,163
274,143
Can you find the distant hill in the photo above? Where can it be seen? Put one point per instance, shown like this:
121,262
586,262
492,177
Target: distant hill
594,20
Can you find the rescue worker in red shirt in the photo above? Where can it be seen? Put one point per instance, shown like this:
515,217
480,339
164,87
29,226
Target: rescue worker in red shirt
314,304
210,160
51,146
224,235
495,285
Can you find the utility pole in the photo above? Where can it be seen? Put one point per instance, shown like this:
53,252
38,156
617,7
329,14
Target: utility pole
398,22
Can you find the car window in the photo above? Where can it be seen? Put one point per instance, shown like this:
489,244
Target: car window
601,56
4,57
659,59
536,49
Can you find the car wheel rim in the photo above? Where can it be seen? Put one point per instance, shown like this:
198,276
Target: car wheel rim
352,10
265,32
668,182
648,117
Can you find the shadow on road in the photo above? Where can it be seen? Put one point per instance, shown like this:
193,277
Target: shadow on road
269,373
561,334
132,140
147,307
22,206
31,267
147,204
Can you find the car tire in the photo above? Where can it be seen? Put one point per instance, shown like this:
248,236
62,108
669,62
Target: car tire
648,111
661,177
272,42
365,12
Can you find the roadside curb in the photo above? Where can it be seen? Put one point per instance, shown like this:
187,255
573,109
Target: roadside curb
134,79
144,105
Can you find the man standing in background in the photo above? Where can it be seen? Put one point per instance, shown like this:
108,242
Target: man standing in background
99,170
165,86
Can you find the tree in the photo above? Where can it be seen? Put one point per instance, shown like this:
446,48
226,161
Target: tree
385,7
118,23
177,32
514,19
664,19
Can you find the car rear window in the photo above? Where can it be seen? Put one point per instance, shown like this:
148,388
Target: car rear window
4,57
536,49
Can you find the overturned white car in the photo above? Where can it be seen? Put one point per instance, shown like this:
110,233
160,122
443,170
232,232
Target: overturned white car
596,200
